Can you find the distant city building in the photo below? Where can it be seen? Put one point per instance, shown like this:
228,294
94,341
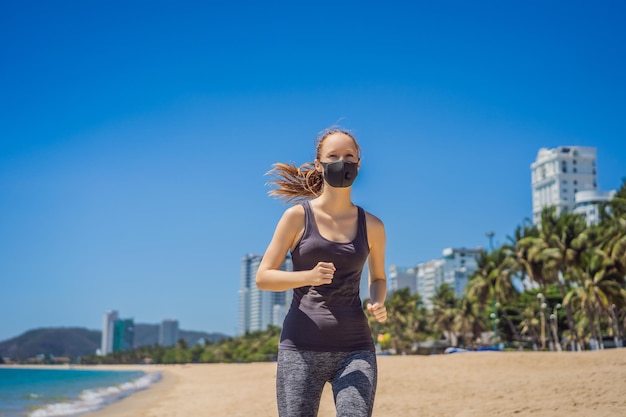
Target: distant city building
249,266
168,332
258,309
429,279
453,268
108,327
117,334
588,203
124,335
402,277
459,264
558,174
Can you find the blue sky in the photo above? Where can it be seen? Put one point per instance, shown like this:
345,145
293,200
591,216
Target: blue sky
135,136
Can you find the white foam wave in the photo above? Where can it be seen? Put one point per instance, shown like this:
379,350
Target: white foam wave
91,400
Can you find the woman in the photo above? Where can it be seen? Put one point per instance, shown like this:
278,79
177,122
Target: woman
325,335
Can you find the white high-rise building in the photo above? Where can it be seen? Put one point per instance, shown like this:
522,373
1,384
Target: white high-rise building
453,268
249,266
108,332
258,309
459,265
558,174
429,278
402,277
168,332
588,204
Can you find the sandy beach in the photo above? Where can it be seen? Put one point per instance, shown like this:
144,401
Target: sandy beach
580,384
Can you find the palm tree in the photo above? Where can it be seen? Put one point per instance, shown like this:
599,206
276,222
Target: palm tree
492,284
471,320
530,324
525,249
614,241
572,239
445,312
613,227
601,285
406,319
557,248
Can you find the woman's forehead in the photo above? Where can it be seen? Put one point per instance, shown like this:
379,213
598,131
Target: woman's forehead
338,141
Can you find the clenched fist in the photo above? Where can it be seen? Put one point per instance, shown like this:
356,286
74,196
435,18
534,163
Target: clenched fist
378,311
323,273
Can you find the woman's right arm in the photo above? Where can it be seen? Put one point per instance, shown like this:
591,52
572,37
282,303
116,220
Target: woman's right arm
270,277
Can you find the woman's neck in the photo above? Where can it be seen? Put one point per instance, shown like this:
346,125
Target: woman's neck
335,200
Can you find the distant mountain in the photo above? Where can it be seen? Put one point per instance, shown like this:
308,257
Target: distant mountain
75,342
72,342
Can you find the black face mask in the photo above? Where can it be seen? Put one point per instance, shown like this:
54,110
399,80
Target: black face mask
340,174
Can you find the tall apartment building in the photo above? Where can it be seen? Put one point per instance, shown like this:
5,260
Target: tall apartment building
123,335
558,174
459,264
168,332
108,328
258,309
117,334
453,268
588,203
429,279
401,277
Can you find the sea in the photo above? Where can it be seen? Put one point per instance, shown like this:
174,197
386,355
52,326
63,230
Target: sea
65,392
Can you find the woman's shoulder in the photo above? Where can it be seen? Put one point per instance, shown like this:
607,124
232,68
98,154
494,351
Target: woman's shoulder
375,230
294,214
372,219
296,209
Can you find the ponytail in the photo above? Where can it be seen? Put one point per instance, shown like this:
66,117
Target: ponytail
295,183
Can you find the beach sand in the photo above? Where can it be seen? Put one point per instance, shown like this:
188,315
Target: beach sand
581,384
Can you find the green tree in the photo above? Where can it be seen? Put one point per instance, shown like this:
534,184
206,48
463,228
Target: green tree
551,252
491,285
471,321
600,286
613,229
445,311
530,324
406,320
196,352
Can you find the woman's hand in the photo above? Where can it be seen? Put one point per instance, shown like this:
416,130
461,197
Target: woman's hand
323,273
378,311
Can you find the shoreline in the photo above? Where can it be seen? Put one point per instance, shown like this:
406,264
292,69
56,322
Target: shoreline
98,398
472,384
134,404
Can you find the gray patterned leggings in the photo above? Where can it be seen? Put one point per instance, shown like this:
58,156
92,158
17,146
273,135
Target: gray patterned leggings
302,375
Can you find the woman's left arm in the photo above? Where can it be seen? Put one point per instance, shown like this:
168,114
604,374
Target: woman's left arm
377,276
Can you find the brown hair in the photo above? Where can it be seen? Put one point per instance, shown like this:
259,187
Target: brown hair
298,183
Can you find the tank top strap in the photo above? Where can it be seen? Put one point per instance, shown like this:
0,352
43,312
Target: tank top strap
362,226
309,218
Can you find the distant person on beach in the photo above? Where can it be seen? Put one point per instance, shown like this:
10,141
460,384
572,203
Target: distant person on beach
325,335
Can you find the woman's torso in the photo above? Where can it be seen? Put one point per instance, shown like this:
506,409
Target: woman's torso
328,317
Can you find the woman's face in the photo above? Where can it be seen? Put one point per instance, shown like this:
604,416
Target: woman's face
335,147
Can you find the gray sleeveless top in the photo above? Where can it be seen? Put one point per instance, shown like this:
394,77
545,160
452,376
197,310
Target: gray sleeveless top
328,318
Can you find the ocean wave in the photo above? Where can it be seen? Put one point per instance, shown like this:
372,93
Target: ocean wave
95,399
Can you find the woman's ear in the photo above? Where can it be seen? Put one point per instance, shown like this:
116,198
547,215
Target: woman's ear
318,166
